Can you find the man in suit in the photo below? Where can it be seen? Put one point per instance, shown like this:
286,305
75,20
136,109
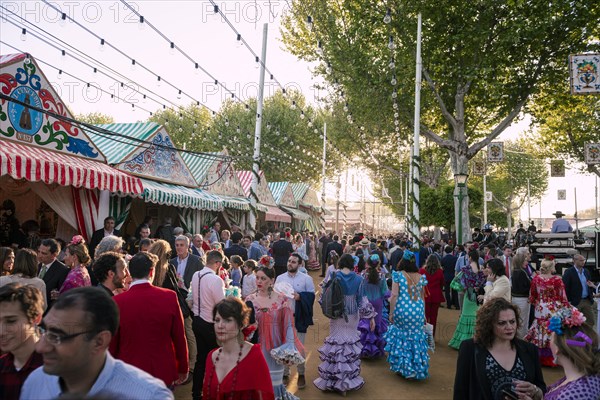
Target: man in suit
448,263
236,249
507,260
424,252
282,249
397,254
196,246
579,289
214,233
144,233
187,265
150,314
324,240
335,246
50,270
109,229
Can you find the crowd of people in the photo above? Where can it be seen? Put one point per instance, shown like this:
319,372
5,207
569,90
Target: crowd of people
229,313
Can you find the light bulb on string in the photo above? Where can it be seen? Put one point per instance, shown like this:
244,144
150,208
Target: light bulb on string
395,106
391,44
196,69
195,125
319,48
394,81
59,75
238,130
158,81
181,116
23,34
172,49
257,64
133,65
238,43
215,12
63,20
345,107
226,122
392,64
293,105
132,107
27,59
309,23
310,124
64,57
394,94
179,95
141,24
396,115
388,16
101,47
301,114
328,69
144,99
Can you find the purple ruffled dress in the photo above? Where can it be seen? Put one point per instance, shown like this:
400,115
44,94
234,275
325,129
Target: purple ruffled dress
340,354
372,341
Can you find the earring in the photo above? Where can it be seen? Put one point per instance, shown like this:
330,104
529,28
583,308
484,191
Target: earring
270,290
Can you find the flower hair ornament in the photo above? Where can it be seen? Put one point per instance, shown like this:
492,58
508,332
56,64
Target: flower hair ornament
266,261
374,257
566,317
408,255
356,260
585,340
77,239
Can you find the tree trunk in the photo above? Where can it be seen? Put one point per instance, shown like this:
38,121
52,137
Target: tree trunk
460,164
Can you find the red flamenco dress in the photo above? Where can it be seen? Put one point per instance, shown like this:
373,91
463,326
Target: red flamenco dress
547,295
248,380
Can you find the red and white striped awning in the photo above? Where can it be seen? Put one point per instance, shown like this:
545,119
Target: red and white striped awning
36,164
275,214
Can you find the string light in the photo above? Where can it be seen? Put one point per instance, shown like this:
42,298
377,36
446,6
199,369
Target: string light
388,16
309,23
101,47
141,24
172,49
257,62
391,44
320,48
394,81
23,34
63,20
239,41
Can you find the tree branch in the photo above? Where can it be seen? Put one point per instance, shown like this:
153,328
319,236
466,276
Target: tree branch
449,117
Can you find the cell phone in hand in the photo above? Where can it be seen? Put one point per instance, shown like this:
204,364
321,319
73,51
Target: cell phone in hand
510,394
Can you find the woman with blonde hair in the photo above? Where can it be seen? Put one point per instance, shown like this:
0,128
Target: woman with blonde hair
77,258
548,297
161,249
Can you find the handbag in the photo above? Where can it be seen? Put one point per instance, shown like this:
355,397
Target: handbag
455,284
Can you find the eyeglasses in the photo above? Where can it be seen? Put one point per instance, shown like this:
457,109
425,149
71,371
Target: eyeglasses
55,339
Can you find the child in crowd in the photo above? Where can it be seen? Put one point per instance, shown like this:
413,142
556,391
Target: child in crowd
249,279
235,272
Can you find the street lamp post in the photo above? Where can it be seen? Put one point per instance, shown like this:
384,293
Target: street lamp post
461,182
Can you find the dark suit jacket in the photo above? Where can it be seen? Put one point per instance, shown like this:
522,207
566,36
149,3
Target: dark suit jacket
337,247
448,263
194,263
281,252
236,250
97,237
54,279
471,382
395,258
573,286
151,335
194,251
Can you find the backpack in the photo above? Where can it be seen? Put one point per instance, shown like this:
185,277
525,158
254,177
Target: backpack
332,301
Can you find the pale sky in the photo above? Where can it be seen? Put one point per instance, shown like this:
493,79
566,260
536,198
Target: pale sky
208,40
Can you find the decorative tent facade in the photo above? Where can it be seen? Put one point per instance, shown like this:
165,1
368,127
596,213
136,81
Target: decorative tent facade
308,202
267,206
215,174
284,198
43,153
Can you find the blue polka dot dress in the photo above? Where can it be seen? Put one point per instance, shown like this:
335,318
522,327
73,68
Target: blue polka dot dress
406,340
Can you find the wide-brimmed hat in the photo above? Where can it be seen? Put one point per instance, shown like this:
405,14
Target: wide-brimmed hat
558,214
364,242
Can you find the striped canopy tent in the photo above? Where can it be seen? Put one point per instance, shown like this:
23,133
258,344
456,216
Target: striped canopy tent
39,144
266,203
284,197
145,149
308,201
215,174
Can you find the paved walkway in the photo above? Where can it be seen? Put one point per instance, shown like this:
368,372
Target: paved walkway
380,382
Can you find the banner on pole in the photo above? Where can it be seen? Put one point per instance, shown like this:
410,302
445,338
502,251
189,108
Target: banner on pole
562,194
592,153
495,152
557,168
584,70
478,167
488,196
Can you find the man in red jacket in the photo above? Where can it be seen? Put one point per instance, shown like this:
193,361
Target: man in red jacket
151,334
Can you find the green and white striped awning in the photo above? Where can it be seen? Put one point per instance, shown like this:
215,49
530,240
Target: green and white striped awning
237,203
199,164
117,147
180,196
297,214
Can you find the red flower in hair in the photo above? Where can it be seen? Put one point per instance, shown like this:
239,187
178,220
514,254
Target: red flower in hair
287,234
77,239
549,257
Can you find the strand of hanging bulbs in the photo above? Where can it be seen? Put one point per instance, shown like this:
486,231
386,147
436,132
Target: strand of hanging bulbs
387,19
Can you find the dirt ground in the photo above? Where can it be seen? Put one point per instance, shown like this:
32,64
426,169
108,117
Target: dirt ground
380,382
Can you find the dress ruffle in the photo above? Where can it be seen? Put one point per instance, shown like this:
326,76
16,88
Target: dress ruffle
281,393
466,324
372,341
407,352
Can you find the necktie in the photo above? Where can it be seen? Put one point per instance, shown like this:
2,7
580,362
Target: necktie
43,272
507,267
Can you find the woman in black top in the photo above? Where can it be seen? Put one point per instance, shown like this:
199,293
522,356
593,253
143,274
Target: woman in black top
520,285
495,364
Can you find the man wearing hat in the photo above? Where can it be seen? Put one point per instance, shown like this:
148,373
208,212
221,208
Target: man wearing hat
561,225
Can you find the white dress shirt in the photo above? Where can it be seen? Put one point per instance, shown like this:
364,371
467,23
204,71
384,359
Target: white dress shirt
299,281
212,290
